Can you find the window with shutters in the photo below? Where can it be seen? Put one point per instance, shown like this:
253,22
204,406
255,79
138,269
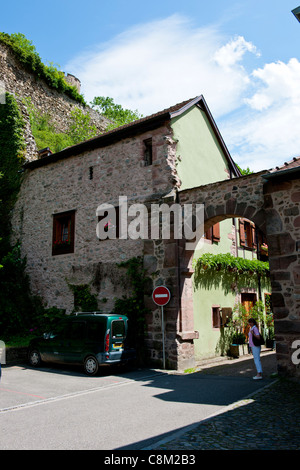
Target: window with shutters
216,316
213,233
247,234
63,233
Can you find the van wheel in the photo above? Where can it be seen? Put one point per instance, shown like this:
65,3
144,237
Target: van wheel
34,358
91,365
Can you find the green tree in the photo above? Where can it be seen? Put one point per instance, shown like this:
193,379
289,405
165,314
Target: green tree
114,112
81,128
246,171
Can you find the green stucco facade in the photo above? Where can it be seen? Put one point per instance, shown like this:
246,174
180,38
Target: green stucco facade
199,157
200,161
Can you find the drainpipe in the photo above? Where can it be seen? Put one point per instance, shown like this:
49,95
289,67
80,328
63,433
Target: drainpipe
179,304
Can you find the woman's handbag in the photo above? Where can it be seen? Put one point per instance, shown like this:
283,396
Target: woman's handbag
257,341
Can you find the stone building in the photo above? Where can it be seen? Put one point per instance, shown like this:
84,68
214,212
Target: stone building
146,161
174,156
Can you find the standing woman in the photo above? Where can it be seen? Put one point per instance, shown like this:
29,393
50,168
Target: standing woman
255,349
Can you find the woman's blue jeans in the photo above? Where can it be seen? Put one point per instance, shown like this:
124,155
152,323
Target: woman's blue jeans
256,357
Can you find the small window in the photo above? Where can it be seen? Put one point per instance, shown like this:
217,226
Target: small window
118,329
216,317
148,152
63,233
247,234
213,233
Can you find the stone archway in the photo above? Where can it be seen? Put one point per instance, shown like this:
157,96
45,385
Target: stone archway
242,197
271,201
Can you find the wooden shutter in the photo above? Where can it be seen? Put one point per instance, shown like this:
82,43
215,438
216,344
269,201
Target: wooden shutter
216,232
242,232
209,234
213,233
253,235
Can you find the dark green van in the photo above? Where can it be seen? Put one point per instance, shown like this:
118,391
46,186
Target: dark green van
90,339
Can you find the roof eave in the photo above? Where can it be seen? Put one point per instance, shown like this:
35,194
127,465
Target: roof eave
219,137
291,173
102,140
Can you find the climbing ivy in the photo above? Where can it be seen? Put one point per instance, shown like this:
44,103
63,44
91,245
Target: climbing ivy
84,300
43,130
45,135
12,156
133,306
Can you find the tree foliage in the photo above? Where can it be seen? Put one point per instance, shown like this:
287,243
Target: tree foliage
114,112
81,128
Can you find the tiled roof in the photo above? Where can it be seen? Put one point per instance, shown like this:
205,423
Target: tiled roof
177,108
295,162
140,125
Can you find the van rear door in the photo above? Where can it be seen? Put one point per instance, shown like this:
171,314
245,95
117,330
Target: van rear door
118,334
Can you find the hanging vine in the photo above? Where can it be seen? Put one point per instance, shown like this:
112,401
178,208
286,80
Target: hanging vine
230,272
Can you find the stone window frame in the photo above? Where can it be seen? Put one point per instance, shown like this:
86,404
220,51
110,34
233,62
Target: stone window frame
63,226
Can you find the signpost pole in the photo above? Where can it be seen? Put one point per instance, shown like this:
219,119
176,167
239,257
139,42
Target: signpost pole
163,336
161,296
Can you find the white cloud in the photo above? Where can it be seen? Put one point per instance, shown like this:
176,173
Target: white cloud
277,82
155,65
232,52
267,133
159,64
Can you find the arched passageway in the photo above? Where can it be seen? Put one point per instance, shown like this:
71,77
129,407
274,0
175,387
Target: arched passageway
271,201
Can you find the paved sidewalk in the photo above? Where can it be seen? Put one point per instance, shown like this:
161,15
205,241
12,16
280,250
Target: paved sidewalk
267,420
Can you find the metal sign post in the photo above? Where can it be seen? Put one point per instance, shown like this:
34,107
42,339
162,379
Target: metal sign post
161,296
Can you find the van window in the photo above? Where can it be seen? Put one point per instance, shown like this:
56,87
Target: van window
76,330
118,329
96,331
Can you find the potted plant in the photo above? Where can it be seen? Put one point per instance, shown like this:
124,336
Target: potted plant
264,249
270,336
238,324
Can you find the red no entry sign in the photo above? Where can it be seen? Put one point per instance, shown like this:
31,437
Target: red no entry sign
161,295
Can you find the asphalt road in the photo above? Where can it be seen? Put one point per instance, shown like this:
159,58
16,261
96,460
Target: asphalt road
61,408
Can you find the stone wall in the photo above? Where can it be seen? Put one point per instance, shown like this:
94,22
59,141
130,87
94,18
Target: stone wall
46,100
118,170
282,197
272,202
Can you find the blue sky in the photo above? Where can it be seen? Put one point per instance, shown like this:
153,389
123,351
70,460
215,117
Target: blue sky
242,56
